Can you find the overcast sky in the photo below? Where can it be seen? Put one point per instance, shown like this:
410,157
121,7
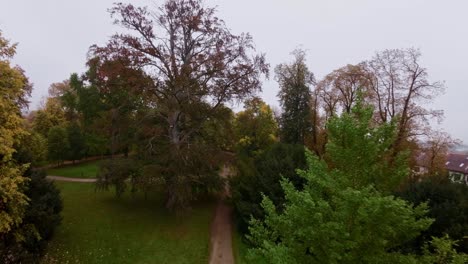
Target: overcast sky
54,36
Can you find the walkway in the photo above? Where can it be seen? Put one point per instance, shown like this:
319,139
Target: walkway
68,179
221,229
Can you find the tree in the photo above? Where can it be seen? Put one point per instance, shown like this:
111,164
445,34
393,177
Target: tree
122,91
432,154
14,89
362,151
52,114
34,151
330,222
295,80
39,222
255,128
196,65
58,144
261,176
345,84
448,206
76,142
400,89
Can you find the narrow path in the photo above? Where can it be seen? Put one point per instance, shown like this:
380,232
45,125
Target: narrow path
221,230
68,179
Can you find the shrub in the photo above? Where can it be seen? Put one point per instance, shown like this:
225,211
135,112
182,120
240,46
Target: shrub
448,205
262,175
41,218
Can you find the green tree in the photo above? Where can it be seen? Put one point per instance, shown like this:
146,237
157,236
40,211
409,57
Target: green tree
14,88
448,205
58,144
361,150
76,142
330,222
39,222
261,176
32,149
295,80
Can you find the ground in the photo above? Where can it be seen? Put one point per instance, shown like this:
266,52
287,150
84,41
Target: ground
99,228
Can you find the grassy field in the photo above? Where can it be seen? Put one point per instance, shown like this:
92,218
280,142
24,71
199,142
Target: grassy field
82,170
97,227
239,248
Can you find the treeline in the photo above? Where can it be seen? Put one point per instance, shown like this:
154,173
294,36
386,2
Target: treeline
29,204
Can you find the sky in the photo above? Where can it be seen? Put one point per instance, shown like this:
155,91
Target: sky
54,37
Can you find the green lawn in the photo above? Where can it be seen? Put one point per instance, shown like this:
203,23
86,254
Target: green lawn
99,228
239,248
82,170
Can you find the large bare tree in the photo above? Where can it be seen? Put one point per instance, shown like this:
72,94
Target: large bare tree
402,90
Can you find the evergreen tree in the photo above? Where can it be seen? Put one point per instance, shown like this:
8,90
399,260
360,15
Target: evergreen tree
295,80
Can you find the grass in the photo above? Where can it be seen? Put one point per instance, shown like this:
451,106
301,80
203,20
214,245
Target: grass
239,248
97,227
82,170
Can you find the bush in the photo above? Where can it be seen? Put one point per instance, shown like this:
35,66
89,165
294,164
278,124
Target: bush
448,205
41,218
262,176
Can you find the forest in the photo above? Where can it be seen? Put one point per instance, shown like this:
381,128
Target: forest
331,176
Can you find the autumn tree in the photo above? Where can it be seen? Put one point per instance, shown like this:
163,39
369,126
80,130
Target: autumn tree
295,80
401,90
344,84
196,65
14,89
255,128
122,91
432,154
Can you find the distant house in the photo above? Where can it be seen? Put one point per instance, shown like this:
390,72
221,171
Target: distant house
457,167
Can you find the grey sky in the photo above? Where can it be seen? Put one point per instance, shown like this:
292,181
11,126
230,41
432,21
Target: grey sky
54,36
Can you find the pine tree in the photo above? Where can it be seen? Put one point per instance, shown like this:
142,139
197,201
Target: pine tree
295,80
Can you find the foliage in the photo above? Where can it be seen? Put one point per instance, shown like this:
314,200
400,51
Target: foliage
448,206
58,144
261,177
14,88
32,148
76,142
115,172
49,116
255,128
360,150
194,65
41,218
442,250
295,80
331,222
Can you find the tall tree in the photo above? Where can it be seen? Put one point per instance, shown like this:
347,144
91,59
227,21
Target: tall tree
58,144
196,65
14,89
327,221
401,89
295,80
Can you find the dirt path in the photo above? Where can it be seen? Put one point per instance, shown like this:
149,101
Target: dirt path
68,179
221,230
